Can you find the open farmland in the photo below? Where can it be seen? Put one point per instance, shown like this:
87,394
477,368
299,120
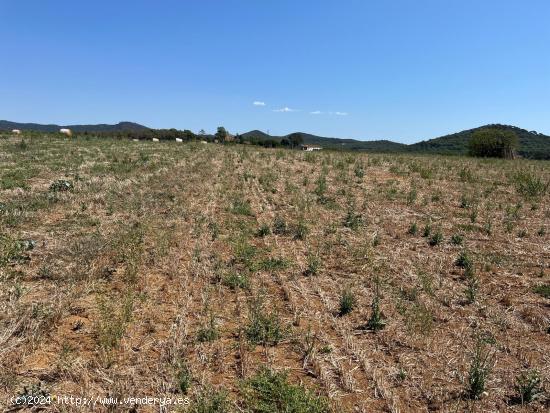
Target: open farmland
374,282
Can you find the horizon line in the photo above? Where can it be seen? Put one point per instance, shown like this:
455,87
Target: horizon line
413,141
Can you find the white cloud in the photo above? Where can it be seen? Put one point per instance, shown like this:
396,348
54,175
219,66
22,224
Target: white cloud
285,109
314,112
258,103
318,112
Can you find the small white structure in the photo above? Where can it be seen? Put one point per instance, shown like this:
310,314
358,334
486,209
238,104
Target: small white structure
155,140
179,140
135,140
309,148
66,131
204,142
16,131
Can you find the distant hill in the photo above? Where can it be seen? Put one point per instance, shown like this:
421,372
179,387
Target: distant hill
257,134
531,143
102,127
333,143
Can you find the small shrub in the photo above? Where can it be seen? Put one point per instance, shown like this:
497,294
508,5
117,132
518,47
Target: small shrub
488,228
530,185
508,226
245,253
235,280
301,230
472,285
214,229
27,244
184,378
457,239
22,145
313,265
279,226
273,264
427,230
61,185
487,337
376,322
466,175
270,392
513,212
413,229
528,386
464,260
409,294
543,290
347,302
420,318
310,157
436,239
113,320
14,179
46,272
352,220
241,207
267,181
209,332
402,374
325,349
10,250
263,327
411,196
465,202
426,280
308,346
426,173
321,186
263,231
211,401
359,171
479,371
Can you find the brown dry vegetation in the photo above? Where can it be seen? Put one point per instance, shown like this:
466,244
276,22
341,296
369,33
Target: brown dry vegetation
189,265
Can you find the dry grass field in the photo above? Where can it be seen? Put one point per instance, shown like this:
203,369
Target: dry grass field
257,280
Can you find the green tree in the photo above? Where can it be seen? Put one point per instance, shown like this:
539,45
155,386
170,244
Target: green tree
295,139
494,143
189,135
221,134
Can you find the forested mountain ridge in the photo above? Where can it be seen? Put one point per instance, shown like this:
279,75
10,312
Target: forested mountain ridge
102,127
531,143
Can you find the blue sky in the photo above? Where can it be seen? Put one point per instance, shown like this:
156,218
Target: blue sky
400,70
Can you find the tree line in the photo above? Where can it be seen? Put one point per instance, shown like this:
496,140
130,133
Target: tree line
292,141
